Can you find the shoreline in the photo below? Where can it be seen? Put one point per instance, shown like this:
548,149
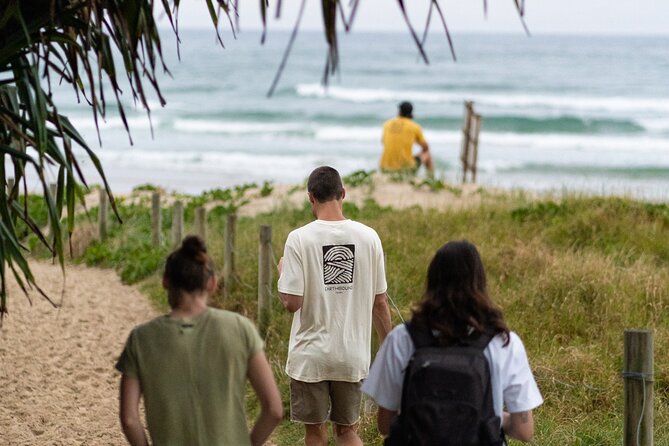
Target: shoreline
123,180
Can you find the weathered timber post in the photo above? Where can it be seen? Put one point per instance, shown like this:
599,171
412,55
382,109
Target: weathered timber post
638,388
466,132
201,222
264,278
10,185
469,151
102,214
156,219
177,223
229,254
474,141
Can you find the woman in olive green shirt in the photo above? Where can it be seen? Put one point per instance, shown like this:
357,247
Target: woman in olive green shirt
192,364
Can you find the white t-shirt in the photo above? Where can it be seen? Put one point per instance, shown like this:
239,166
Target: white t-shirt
337,266
513,385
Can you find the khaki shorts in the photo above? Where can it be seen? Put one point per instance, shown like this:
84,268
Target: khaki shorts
315,403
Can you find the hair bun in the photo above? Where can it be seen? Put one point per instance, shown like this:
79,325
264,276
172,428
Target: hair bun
193,246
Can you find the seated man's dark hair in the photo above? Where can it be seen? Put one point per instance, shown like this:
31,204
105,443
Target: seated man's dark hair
325,184
406,109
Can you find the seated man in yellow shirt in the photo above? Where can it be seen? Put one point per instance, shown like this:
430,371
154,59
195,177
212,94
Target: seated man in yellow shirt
399,136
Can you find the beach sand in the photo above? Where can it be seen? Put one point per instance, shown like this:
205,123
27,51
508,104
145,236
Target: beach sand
59,385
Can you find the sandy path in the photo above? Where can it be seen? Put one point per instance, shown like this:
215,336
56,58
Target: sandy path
58,385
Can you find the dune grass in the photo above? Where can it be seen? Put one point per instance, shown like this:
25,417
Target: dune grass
571,274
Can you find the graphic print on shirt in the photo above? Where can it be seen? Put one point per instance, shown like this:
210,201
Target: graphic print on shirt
338,262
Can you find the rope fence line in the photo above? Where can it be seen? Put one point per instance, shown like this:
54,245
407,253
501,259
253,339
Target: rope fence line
644,378
638,399
392,301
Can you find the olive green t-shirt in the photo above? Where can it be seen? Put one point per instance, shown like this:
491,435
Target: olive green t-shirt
193,376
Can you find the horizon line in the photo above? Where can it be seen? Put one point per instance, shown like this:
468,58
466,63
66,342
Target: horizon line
455,33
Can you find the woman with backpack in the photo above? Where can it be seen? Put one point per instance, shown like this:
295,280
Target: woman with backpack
191,366
455,374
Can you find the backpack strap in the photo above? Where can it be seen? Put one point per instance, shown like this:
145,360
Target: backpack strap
478,340
420,338
423,338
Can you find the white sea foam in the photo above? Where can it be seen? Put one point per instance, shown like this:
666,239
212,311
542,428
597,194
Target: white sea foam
242,166
588,143
211,126
114,122
509,100
655,125
536,142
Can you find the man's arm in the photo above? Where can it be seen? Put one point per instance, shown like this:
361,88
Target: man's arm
381,316
271,409
519,425
424,145
291,302
129,411
426,156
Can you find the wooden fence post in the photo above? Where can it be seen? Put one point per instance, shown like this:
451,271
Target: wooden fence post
229,254
177,223
466,132
10,185
638,388
469,151
102,215
474,141
156,219
201,222
264,279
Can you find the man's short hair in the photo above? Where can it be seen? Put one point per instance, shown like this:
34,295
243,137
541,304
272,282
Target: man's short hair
325,184
406,109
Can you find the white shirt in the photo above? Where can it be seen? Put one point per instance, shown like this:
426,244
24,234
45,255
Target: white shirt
513,385
337,266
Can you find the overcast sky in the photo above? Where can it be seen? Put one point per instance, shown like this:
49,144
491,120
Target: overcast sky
542,16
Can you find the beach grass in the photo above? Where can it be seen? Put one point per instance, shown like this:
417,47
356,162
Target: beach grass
571,274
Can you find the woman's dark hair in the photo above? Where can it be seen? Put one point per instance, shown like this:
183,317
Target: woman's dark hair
187,269
456,296
325,184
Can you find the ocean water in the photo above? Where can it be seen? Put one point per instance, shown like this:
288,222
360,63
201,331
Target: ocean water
559,112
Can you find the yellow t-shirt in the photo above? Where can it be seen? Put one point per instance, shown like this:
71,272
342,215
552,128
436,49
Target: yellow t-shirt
399,136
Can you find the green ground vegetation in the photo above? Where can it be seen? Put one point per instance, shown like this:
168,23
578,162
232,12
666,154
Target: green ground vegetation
571,274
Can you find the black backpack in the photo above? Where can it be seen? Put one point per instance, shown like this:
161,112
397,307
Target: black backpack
446,395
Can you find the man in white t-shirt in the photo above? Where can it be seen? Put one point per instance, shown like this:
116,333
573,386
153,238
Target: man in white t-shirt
332,278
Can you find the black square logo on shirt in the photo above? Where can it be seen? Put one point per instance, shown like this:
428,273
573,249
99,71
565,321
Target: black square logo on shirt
338,261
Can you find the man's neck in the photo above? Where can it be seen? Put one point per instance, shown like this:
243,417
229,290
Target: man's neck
329,211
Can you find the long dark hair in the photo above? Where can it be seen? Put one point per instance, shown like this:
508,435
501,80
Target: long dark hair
456,296
187,269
